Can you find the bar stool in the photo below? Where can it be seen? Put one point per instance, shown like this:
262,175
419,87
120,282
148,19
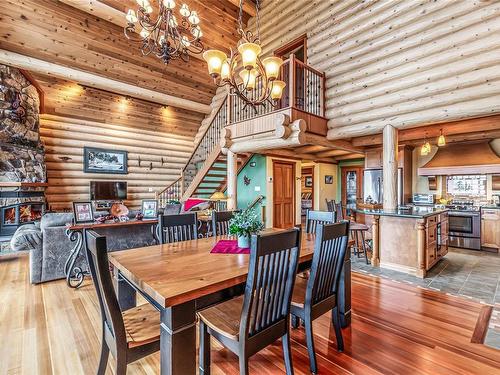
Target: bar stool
358,235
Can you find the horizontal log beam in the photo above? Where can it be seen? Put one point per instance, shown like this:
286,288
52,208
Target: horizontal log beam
98,82
477,128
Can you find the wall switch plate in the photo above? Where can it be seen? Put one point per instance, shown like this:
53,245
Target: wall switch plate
150,189
257,188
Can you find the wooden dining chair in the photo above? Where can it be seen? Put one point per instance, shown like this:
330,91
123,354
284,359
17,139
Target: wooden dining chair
314,218
330,204
247,324
220,222
129,335
339,211
176,228
318,294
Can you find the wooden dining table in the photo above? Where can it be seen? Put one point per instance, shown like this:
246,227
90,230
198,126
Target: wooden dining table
184,277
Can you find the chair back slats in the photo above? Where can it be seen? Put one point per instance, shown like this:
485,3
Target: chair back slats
328,260
97,258
220,222
314,218
339,211
272,269
330,205
176,228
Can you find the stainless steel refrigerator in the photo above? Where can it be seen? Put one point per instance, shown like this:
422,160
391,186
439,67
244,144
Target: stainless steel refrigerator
373,185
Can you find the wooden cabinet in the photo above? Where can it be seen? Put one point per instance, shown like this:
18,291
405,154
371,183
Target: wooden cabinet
437,238
373,159
490,228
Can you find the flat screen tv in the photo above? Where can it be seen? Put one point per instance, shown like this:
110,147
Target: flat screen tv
108,190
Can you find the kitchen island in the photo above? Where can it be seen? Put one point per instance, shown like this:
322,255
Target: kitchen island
408,240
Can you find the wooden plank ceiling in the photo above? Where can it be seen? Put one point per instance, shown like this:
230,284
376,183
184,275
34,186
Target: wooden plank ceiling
57,32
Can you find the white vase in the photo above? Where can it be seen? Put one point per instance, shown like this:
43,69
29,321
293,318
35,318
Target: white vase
243,242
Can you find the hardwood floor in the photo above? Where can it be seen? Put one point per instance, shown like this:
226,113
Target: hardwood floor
396,329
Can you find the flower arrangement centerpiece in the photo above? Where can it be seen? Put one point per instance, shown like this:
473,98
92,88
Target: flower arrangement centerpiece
244,224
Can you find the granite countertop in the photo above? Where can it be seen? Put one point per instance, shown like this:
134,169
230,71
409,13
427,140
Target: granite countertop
414,212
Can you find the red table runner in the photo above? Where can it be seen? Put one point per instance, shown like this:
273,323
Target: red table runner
229,247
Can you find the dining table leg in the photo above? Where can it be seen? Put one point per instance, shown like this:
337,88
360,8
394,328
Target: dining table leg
125,293
178,339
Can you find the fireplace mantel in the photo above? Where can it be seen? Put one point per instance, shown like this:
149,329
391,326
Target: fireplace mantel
23,184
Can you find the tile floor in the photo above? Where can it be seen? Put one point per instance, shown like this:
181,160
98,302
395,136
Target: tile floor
465,273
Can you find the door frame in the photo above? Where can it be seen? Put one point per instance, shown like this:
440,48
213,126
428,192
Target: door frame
343,179
314,183
294,208
293,45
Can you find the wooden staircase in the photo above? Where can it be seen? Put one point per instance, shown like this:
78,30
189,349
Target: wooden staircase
206,170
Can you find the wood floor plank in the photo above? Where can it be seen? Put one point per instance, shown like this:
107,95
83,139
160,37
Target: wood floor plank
481,327
396,329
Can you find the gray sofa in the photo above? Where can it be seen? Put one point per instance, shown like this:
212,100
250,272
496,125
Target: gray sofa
50,247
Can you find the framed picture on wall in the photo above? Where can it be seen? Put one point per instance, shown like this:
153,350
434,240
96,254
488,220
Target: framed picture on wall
82,212
308,181
98,160
328,179
149,208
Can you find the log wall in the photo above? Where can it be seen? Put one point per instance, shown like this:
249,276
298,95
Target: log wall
403,63
76,117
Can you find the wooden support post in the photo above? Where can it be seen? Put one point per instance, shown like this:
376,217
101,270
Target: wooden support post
291,81
376,241
390,169
232,180
421,244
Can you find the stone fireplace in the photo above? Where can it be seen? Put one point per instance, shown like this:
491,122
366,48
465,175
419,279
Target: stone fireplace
22,166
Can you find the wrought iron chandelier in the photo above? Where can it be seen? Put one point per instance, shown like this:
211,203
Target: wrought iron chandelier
164,36
244,71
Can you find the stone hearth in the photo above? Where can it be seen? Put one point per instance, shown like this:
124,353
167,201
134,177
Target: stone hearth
21,150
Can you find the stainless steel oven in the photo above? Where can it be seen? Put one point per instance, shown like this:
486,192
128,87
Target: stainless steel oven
465,229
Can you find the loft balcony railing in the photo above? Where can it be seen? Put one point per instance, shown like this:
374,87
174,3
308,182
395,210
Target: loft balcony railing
304,91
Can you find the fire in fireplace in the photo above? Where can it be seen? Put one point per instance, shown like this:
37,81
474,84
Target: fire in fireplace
15,215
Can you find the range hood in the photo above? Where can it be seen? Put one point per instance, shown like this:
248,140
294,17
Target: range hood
465,158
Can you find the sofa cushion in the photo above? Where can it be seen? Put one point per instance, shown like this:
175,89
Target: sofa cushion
55,220
26,237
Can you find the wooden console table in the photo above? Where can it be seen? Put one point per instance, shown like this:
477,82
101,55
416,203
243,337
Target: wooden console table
77,234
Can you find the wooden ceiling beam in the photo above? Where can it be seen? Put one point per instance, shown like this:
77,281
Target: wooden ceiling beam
311,148
331,153
99,82
248,7
100,10
337,144
476,125
350,156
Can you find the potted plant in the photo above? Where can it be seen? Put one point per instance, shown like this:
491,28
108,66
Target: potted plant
244,224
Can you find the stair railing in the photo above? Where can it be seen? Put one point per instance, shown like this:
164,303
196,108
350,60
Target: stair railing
171,194
207,144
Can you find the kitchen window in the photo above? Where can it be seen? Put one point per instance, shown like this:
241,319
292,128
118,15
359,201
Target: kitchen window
466,185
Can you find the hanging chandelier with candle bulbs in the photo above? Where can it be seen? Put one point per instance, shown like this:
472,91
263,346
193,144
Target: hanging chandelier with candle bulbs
164,35
253,80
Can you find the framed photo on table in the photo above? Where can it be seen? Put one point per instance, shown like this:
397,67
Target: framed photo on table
149,208
82,212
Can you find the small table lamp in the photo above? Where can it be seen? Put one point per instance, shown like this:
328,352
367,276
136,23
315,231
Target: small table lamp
218,196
